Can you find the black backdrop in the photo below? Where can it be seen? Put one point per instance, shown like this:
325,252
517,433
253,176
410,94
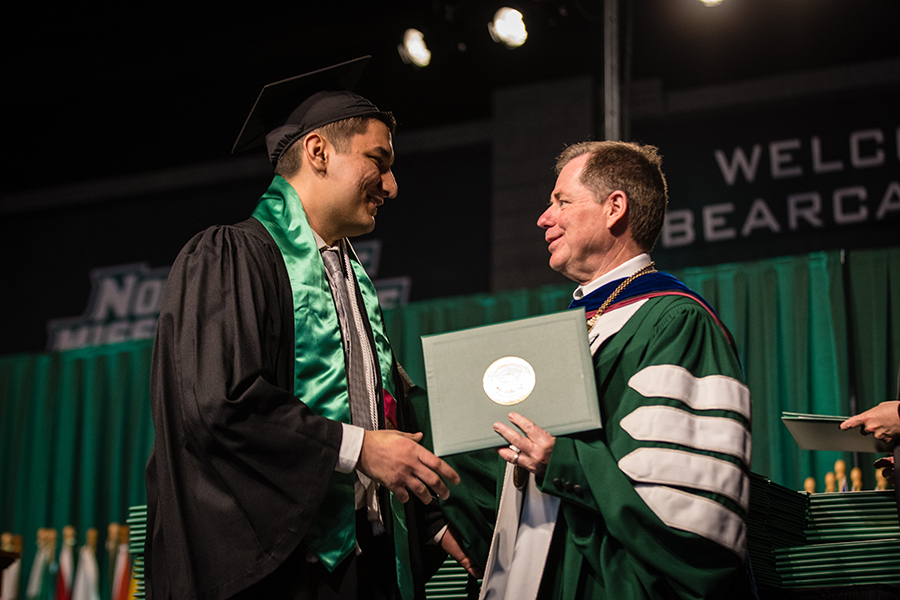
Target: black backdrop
436,231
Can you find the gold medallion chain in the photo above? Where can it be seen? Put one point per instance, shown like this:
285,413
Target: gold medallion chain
643,271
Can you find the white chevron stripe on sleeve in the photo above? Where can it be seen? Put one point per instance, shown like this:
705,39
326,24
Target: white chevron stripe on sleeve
610,323
701,393
678,467
676,426
696,514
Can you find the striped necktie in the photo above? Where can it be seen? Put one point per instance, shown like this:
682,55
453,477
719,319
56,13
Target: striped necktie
361,412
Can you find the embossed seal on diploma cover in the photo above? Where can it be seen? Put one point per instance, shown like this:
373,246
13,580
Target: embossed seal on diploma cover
508,380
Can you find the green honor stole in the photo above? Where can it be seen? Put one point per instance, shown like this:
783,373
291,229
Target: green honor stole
320,378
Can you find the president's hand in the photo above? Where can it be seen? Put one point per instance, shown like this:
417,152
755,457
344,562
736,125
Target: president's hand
397,461
534,450
882,421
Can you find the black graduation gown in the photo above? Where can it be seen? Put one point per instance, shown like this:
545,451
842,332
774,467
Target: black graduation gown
239,466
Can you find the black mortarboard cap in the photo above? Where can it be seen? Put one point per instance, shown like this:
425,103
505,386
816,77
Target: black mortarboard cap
287,110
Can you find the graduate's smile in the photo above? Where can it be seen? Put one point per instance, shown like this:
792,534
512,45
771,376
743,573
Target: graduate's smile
364,172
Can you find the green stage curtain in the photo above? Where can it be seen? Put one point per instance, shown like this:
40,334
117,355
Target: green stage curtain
874,282
75,435
76,432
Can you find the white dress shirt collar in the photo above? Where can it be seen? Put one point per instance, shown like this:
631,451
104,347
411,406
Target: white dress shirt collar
321,242
626,269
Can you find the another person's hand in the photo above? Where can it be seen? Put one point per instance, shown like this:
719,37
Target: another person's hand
883,421
534,448
886,463
397,461
452,547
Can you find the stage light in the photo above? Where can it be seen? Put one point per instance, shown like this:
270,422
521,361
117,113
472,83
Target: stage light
413,49
508,27
711,2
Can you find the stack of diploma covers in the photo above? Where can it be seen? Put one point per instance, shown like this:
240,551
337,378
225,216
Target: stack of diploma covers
852,538
539,367
137,535
797,540
777,519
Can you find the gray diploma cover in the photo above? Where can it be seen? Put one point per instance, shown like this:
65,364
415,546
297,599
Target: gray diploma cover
539,367
823,432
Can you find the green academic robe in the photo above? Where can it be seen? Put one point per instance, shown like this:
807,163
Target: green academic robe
652,505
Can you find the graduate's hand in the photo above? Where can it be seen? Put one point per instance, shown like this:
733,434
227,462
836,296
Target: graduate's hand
452,547
534,450
397,461
882,421
886,463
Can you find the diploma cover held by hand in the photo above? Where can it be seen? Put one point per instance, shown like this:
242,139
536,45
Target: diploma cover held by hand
539,367
823,432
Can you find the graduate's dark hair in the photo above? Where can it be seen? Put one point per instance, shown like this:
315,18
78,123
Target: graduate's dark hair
632,168
338,133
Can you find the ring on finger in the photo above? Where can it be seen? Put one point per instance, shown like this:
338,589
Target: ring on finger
515,459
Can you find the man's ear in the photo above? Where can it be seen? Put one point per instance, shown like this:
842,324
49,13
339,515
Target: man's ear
617,210
315,151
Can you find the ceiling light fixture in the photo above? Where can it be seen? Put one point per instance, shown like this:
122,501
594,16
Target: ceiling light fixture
508,28
413,49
